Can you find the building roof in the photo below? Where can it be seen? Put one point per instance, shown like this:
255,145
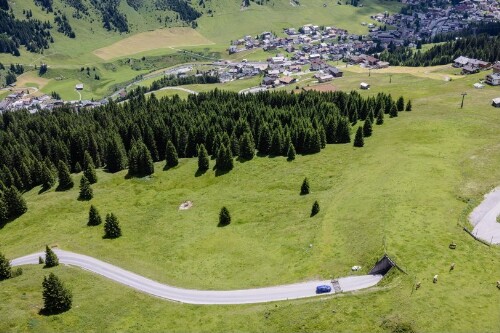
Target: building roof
496,100
461,60
287,79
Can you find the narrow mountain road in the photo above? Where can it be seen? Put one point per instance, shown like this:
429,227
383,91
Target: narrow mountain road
191,296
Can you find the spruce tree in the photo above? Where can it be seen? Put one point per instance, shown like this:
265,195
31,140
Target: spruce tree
65,181
394,111
400,104
276,144
343,134
304,189
5,269
247,147
203,159
380,118
235,145
14,202
224,217
94,217
224,160
371,116
4,213
116,157
51,259
86,192
264,140
408,105
358,139
315,208
56,297
171,155
367,128
78,167
89,168
140,160
47,177
112,227
291,153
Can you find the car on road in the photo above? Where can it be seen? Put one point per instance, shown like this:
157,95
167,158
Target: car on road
323,289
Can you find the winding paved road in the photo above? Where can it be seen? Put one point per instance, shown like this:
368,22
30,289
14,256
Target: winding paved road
191,296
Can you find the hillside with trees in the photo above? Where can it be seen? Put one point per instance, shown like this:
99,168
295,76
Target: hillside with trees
484,47
37,147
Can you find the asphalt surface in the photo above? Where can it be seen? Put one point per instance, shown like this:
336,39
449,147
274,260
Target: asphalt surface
191,296
484,218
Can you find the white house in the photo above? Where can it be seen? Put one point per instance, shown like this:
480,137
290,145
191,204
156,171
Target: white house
496,102
493,79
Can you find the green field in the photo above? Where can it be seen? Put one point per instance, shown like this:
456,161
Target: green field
407,192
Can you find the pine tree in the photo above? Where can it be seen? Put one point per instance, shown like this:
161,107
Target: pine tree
116,158
367,128
78,167
86,192
65,181
56,297
276,144
315,208
4,213
94,217
224,160
394,111
14,202
224,217
264,140
343,134
89,168
371,116
112,227
247,147
203,159
291,153
5,269
51,259
380,118
304,189
235,145
140,160
408,105
359,140
47,177
171,155
400,104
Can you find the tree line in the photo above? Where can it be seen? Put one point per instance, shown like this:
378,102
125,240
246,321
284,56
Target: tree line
33,34
185,11
483,47
32,146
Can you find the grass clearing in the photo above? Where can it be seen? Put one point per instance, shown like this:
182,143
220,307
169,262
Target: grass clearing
152,40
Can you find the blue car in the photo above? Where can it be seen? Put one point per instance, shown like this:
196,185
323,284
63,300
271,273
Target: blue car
323,289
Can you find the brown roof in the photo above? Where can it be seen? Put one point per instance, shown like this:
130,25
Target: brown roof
287,79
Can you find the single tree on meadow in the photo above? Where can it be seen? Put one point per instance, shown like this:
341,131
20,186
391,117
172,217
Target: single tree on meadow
112,227
304,189
56,297
224,217
51,259
359,141
94,217
315,208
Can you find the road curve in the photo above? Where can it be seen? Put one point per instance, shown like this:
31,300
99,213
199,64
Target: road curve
191,296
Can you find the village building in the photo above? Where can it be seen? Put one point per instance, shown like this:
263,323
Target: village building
493,79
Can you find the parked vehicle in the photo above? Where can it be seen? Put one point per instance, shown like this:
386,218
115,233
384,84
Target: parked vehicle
323,289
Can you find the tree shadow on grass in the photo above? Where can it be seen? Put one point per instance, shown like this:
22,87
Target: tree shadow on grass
219,172
243,160
220,225
200,173
166,167
45,312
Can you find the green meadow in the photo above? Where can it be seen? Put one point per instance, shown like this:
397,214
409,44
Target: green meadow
407,193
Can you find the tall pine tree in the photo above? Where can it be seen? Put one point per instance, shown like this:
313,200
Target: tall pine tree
203,159
116,157
112,227
247,146
5,269
65,181
171,155
51,259
94,217
14,202
358,139
56,297
86,192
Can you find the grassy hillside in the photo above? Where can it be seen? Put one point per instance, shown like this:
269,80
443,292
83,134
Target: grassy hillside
407,191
